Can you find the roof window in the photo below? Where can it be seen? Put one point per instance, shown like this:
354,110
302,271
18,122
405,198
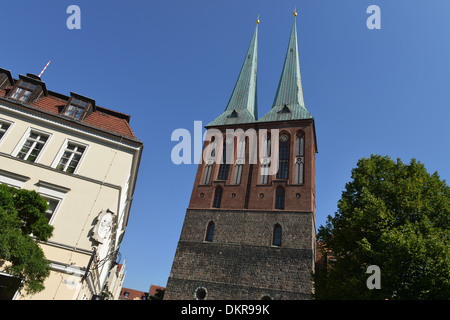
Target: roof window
78,107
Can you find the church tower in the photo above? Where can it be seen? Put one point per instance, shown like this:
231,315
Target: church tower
249,230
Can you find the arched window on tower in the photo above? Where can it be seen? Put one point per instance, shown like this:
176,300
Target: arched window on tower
283,157
276,241
279,198
264,177
299,158
210,232
240,160
225,165
209,162
217,197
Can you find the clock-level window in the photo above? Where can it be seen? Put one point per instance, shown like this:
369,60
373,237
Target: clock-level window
264,177
224,166
283,157
299,158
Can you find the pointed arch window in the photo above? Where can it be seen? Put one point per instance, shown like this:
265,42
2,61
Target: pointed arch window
264,177
240,160
224,166
279,198
283,157
207,173
276,240
217,197
299,158
210,232
209,162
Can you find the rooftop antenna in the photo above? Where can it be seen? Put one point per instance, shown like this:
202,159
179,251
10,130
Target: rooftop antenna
40,74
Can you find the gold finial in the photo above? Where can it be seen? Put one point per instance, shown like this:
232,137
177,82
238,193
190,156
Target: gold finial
257,20
295,12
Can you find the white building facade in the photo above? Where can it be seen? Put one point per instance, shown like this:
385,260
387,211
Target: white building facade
84,160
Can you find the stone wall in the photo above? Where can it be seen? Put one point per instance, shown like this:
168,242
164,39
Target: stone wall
240,262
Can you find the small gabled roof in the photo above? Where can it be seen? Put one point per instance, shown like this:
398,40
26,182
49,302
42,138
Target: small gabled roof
242,106
289,103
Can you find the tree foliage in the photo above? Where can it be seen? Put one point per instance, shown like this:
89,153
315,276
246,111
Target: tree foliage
22,214
159,295
395,216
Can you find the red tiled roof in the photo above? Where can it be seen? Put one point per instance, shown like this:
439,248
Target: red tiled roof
153,289
136,294
132,294
103,119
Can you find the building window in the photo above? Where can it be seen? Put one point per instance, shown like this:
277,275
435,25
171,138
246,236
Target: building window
71,157
237,173
224,166
76,108
207,174
200,293
279,198
54,195
23,91
217,197
209,162
4,126
276,241
264,177
299,158
52,207
32,146
210,232
13,179
283,157
240,160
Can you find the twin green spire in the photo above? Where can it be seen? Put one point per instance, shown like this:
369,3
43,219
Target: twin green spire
288,103
242,106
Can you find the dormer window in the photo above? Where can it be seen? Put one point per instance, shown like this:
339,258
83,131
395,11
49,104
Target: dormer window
23,91
76,109
28,89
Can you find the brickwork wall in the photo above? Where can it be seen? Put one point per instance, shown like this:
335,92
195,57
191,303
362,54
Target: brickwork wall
240,262
202,195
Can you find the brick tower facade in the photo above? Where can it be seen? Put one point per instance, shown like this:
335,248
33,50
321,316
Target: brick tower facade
249,230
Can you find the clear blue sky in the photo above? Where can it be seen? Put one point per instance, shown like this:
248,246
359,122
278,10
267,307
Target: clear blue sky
169,63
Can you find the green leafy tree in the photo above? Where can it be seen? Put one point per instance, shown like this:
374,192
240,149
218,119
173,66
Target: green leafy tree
22,221
159,295
395,216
